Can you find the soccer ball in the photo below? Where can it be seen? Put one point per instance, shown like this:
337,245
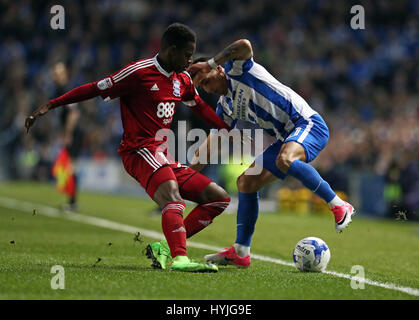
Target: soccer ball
311,254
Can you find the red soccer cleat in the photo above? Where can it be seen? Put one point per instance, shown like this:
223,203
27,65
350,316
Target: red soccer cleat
343,216
228,256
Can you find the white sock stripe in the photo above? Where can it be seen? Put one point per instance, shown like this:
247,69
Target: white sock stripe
175,206
150,158
132,71
126,69
219,206
216,204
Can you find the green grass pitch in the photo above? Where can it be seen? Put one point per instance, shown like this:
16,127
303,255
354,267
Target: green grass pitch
31,243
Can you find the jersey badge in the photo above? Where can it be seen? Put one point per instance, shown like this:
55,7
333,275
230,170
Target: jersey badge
105,84
176,88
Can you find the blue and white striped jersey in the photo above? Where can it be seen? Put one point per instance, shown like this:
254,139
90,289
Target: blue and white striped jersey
254,95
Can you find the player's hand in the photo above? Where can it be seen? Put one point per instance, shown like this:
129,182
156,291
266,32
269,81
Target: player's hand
29,121
197,67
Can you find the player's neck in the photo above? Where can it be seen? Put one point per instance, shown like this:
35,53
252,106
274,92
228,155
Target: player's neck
163,63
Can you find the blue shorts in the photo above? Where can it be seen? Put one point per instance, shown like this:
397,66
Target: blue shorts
312,134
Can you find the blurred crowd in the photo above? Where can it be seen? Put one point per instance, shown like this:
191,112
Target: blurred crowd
363,82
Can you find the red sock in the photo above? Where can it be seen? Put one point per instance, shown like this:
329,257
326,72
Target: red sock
203,214
173,228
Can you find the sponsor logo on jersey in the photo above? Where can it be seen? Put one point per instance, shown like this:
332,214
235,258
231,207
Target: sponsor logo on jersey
165,109
241,102
167,121
154,87
105,84
176,88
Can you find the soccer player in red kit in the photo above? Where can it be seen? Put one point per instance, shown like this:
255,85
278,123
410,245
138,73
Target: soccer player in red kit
149,92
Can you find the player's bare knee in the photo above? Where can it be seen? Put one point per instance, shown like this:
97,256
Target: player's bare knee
167,192
284,161
213,192
247,184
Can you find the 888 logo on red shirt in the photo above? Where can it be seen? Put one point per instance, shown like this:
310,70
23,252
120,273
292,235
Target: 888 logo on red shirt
165,109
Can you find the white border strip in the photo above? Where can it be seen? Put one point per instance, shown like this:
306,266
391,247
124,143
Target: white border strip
99,222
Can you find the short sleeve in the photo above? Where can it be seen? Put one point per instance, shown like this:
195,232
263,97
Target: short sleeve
238,67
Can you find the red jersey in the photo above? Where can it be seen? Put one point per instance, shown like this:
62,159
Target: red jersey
149,97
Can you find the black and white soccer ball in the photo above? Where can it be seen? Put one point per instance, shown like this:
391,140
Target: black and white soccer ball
311,255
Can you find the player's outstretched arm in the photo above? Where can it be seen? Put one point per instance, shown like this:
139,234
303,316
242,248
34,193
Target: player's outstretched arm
29,121
78,94
238,50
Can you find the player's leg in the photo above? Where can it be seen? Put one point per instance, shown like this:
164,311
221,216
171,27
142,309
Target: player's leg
152,170
248,185
163,188
168,197
303,146
211,198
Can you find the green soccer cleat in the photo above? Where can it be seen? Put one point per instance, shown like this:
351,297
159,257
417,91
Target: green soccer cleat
182,263
158,252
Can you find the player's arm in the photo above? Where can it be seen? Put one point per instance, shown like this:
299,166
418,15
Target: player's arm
238,50
118,84
81,93
202,155
207,114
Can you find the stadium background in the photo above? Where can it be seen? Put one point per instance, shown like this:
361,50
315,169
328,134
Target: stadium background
363,82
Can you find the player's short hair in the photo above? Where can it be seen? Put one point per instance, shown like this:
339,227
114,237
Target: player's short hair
200,59
177,34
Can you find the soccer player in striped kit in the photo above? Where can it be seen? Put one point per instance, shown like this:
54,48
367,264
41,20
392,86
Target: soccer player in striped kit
250,93
149,92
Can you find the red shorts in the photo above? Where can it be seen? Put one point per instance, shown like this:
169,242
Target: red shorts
151,167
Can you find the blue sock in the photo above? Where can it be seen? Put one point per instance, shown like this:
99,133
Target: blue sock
311,179
247,214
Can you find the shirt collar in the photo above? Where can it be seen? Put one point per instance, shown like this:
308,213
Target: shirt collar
160,68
